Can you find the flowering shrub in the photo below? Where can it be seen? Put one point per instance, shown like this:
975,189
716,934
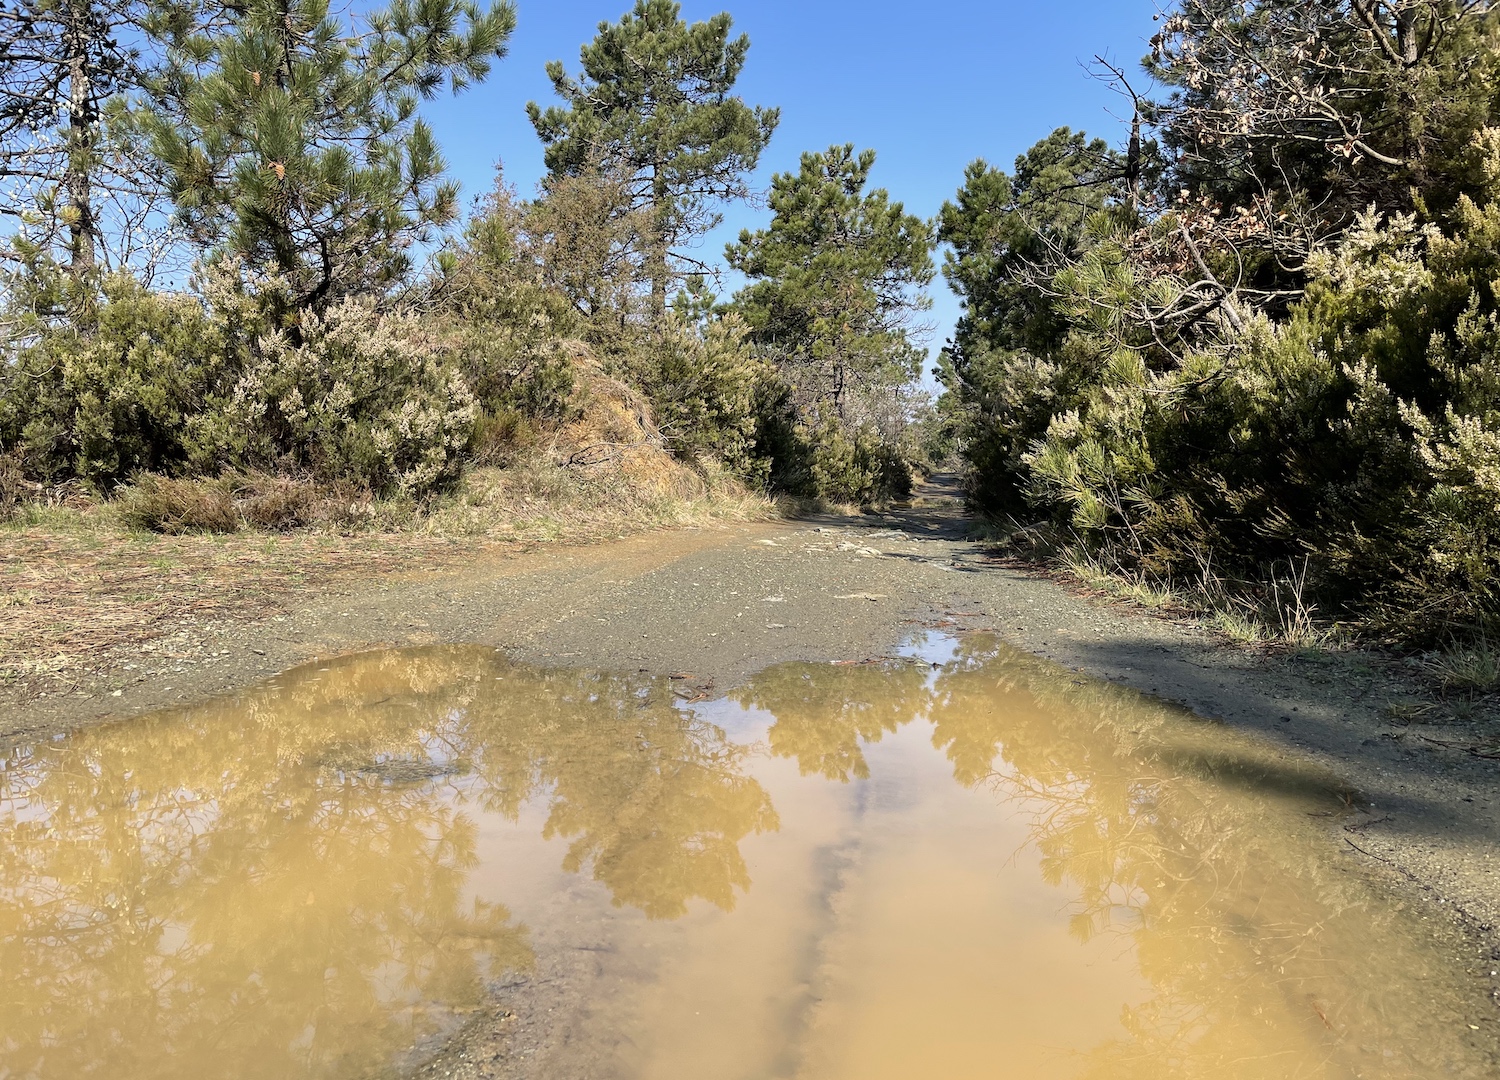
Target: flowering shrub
350,395
175,384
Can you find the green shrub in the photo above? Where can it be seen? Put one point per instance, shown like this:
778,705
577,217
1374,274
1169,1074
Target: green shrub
351,396
856,467
103,403
702,382
833,463
177,385
1359,437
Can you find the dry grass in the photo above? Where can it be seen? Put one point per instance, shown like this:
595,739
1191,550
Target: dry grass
1467,668
68,596
79,584
162,504
1277,611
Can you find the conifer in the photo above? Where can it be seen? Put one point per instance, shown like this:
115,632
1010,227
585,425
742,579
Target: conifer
653,105
295,143
837,278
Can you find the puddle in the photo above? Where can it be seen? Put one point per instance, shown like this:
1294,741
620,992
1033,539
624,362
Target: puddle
965,863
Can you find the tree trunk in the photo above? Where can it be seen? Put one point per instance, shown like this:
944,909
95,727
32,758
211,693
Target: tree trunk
656,256
1408,42
83,133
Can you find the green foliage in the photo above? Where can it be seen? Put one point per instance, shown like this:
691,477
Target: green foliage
856,467
702,380
509,328
296,145
310,358
105,404
169,383
835,280
1335,105
1358,434
351,396
1010,366
836,285
828,461
1270,378
653,107
1007,233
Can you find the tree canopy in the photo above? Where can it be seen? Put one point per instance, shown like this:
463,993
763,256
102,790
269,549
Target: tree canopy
653,106
297,146
836,279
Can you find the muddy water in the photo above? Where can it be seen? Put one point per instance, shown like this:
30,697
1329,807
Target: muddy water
965,863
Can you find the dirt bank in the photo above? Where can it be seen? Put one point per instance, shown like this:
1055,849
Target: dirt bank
714,604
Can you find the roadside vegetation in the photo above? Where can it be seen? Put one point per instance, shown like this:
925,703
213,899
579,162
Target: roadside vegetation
240,294
1241,362
1251,358
250,340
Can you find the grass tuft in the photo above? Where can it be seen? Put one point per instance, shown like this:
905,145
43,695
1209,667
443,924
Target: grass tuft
162,504
1472,668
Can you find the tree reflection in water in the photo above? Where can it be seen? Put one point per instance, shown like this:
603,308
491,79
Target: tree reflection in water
278,885
1203,849
275,885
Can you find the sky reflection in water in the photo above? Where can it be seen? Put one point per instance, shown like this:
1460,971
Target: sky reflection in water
979,866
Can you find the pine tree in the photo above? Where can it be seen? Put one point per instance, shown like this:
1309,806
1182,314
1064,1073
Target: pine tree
1008,232
653,107
836,280
75,184
299,148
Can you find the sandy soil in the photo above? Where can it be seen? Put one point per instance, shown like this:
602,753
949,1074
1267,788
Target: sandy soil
714,605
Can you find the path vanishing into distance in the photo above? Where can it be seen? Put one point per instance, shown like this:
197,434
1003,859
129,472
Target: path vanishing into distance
711,608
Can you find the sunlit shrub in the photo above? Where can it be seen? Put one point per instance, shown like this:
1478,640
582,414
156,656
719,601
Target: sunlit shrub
1360,437
113,398
348,396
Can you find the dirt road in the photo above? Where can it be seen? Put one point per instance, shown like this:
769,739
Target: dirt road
714,605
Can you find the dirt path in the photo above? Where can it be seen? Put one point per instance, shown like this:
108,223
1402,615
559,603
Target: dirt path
714,605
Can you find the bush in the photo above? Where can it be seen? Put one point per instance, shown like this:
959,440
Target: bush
177,385
832,463
351,396
1359,437
104,403
855,467
702,382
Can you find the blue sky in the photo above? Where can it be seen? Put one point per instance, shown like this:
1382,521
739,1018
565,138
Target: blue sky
929,86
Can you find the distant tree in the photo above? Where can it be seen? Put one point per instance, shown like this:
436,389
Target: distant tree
837,280
653,106
1009,236
297,145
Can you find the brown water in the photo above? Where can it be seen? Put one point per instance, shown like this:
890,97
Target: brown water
966,864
